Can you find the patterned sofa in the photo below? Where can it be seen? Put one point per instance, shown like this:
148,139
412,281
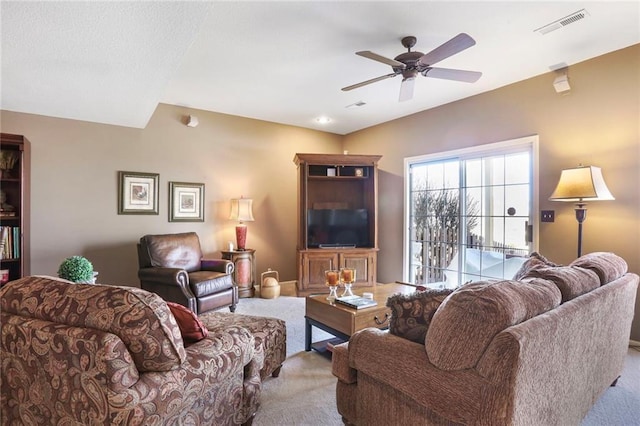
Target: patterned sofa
97,354
539,350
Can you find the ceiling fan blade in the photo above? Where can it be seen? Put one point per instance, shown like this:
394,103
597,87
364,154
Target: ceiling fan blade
457,44
406,89
364,83
379,58
450,74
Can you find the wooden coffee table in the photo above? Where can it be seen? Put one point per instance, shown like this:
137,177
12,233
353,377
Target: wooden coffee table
342,321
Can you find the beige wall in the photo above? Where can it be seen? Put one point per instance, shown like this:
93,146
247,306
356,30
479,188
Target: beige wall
74,185
596,123
75,164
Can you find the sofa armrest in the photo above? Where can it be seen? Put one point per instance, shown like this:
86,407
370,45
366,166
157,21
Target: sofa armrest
175,276
217,265
172,284
233,350
231,347
340,364
220,370
403,366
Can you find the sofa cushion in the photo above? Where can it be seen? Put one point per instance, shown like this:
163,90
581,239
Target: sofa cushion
203,283
191,327
141,319
535,260
181,251
467,320
608,266
411,314
573,281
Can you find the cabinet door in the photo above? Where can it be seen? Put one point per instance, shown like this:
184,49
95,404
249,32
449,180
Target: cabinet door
364,264
312,267
244,272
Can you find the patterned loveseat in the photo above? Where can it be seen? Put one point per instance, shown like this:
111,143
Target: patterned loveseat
536,350
97,354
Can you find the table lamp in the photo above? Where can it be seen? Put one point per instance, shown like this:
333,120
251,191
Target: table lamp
242,211
578,185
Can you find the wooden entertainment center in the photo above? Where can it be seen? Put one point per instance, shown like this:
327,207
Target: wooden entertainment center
337,218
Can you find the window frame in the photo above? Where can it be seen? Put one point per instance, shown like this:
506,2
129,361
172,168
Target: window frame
496,148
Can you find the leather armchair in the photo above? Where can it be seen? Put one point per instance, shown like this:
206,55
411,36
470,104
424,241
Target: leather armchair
171,265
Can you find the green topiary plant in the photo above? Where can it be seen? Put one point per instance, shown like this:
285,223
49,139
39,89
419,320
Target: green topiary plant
77,269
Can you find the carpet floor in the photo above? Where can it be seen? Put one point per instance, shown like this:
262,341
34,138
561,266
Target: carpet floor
304,393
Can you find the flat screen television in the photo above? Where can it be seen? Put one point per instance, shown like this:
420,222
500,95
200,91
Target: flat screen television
328,228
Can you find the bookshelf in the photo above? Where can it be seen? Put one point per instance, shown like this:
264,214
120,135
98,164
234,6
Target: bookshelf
15,207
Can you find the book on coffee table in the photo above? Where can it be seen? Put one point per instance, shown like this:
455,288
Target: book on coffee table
356,302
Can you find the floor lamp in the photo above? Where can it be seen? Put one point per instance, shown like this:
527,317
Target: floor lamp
579,185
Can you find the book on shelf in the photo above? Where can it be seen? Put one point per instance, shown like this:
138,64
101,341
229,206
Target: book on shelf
356,302
4,242
4,236
9,242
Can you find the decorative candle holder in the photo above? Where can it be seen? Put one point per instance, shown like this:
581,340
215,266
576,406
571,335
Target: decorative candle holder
347,278
331,280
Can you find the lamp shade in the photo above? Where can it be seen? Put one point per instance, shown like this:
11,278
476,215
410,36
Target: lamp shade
242,210
581,184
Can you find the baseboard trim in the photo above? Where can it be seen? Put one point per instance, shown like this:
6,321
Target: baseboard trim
634,344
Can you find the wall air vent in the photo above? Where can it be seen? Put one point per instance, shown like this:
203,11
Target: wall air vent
563,22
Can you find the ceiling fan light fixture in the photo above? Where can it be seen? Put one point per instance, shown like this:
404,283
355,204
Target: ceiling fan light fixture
406,89
409,74
323,119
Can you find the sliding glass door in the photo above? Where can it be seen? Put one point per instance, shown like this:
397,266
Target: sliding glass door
469,213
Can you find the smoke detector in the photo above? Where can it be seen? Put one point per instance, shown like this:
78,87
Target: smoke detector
563,22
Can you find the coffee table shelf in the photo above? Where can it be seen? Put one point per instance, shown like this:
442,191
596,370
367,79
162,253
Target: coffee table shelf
342,321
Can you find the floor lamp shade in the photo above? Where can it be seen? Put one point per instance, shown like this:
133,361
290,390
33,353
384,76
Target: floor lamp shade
241,211
580,185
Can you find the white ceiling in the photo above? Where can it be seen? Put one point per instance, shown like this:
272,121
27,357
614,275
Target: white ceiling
285,62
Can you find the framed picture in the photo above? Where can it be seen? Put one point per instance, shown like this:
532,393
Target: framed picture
186,202
138,193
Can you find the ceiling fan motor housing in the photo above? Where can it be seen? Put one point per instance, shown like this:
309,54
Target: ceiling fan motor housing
412,65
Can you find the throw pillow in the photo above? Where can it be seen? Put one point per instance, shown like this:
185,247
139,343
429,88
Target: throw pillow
535,260
573,281
608,266
411,314
192,329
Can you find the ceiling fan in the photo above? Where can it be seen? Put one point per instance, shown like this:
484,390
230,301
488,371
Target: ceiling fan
410,64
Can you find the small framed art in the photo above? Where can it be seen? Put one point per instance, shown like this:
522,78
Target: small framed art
137,193
186,202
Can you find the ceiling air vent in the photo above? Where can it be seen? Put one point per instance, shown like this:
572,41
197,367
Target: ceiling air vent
563,22
356,105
